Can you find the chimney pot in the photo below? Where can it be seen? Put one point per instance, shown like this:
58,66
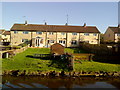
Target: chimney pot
118,25
66,24
45,23
25,22
84,25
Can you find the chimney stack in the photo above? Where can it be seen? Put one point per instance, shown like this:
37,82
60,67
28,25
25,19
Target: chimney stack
66,24
25,22
118,25
84,25
45,23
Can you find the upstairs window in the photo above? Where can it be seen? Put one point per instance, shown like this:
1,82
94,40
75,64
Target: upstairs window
62,33
50,41
74,42
74,33
38,32
61,41
95,34
118,34
51,33
25,32
86,34
15,32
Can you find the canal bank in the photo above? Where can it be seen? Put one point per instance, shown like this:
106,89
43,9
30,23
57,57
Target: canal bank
60,73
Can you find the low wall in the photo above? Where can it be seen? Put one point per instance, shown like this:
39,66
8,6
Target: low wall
16,51
82,56
10,53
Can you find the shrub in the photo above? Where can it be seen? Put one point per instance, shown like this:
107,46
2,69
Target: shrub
96,49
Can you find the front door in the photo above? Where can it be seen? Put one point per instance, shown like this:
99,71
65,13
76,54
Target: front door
39,42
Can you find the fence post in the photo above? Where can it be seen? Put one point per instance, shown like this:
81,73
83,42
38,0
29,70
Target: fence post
71,62
7,55
0,55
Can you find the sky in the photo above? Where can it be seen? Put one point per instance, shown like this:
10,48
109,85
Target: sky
99,14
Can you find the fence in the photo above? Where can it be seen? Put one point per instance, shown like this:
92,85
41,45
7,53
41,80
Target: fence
11,53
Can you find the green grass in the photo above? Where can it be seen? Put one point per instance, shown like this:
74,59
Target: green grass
96,66
21,62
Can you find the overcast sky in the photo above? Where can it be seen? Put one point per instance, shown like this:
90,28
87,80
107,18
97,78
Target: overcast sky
99,14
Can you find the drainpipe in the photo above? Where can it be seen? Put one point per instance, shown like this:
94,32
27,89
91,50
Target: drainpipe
31,38
56,37
46,39
6,55
0,55
66,38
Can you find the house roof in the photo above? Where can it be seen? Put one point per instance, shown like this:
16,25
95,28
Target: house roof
54,28
1,31
115,29
6,33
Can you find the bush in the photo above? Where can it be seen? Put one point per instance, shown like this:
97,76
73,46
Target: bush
96,49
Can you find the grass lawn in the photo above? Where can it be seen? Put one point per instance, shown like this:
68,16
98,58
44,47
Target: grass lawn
21,62
96,66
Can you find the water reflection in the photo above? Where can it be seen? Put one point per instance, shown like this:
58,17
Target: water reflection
66,82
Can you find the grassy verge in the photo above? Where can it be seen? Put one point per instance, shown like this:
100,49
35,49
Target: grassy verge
96,66
22,62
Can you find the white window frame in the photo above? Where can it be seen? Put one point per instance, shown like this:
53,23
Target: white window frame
51,33
86,34
62,33
94,34
15,32
74,33
39,33
74,43
24,32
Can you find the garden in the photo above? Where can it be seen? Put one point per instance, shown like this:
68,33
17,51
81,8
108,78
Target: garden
22,62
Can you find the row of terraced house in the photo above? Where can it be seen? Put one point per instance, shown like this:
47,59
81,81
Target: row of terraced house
43,35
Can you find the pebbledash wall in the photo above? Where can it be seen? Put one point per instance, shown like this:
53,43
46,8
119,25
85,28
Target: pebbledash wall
46,35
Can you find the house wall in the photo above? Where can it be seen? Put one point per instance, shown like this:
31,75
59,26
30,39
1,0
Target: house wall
109,35
6,37
91,38
117,37
70,38
16,39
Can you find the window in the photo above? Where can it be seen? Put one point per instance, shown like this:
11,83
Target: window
38,32
62,33
74,42
50,41
51,33
86,34
74,33
61,41
24,40
94,34
25,32
15,32
118,34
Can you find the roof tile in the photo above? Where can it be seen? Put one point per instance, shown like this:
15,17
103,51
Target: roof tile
54,28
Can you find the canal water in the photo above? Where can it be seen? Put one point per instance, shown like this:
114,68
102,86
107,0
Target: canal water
57,82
